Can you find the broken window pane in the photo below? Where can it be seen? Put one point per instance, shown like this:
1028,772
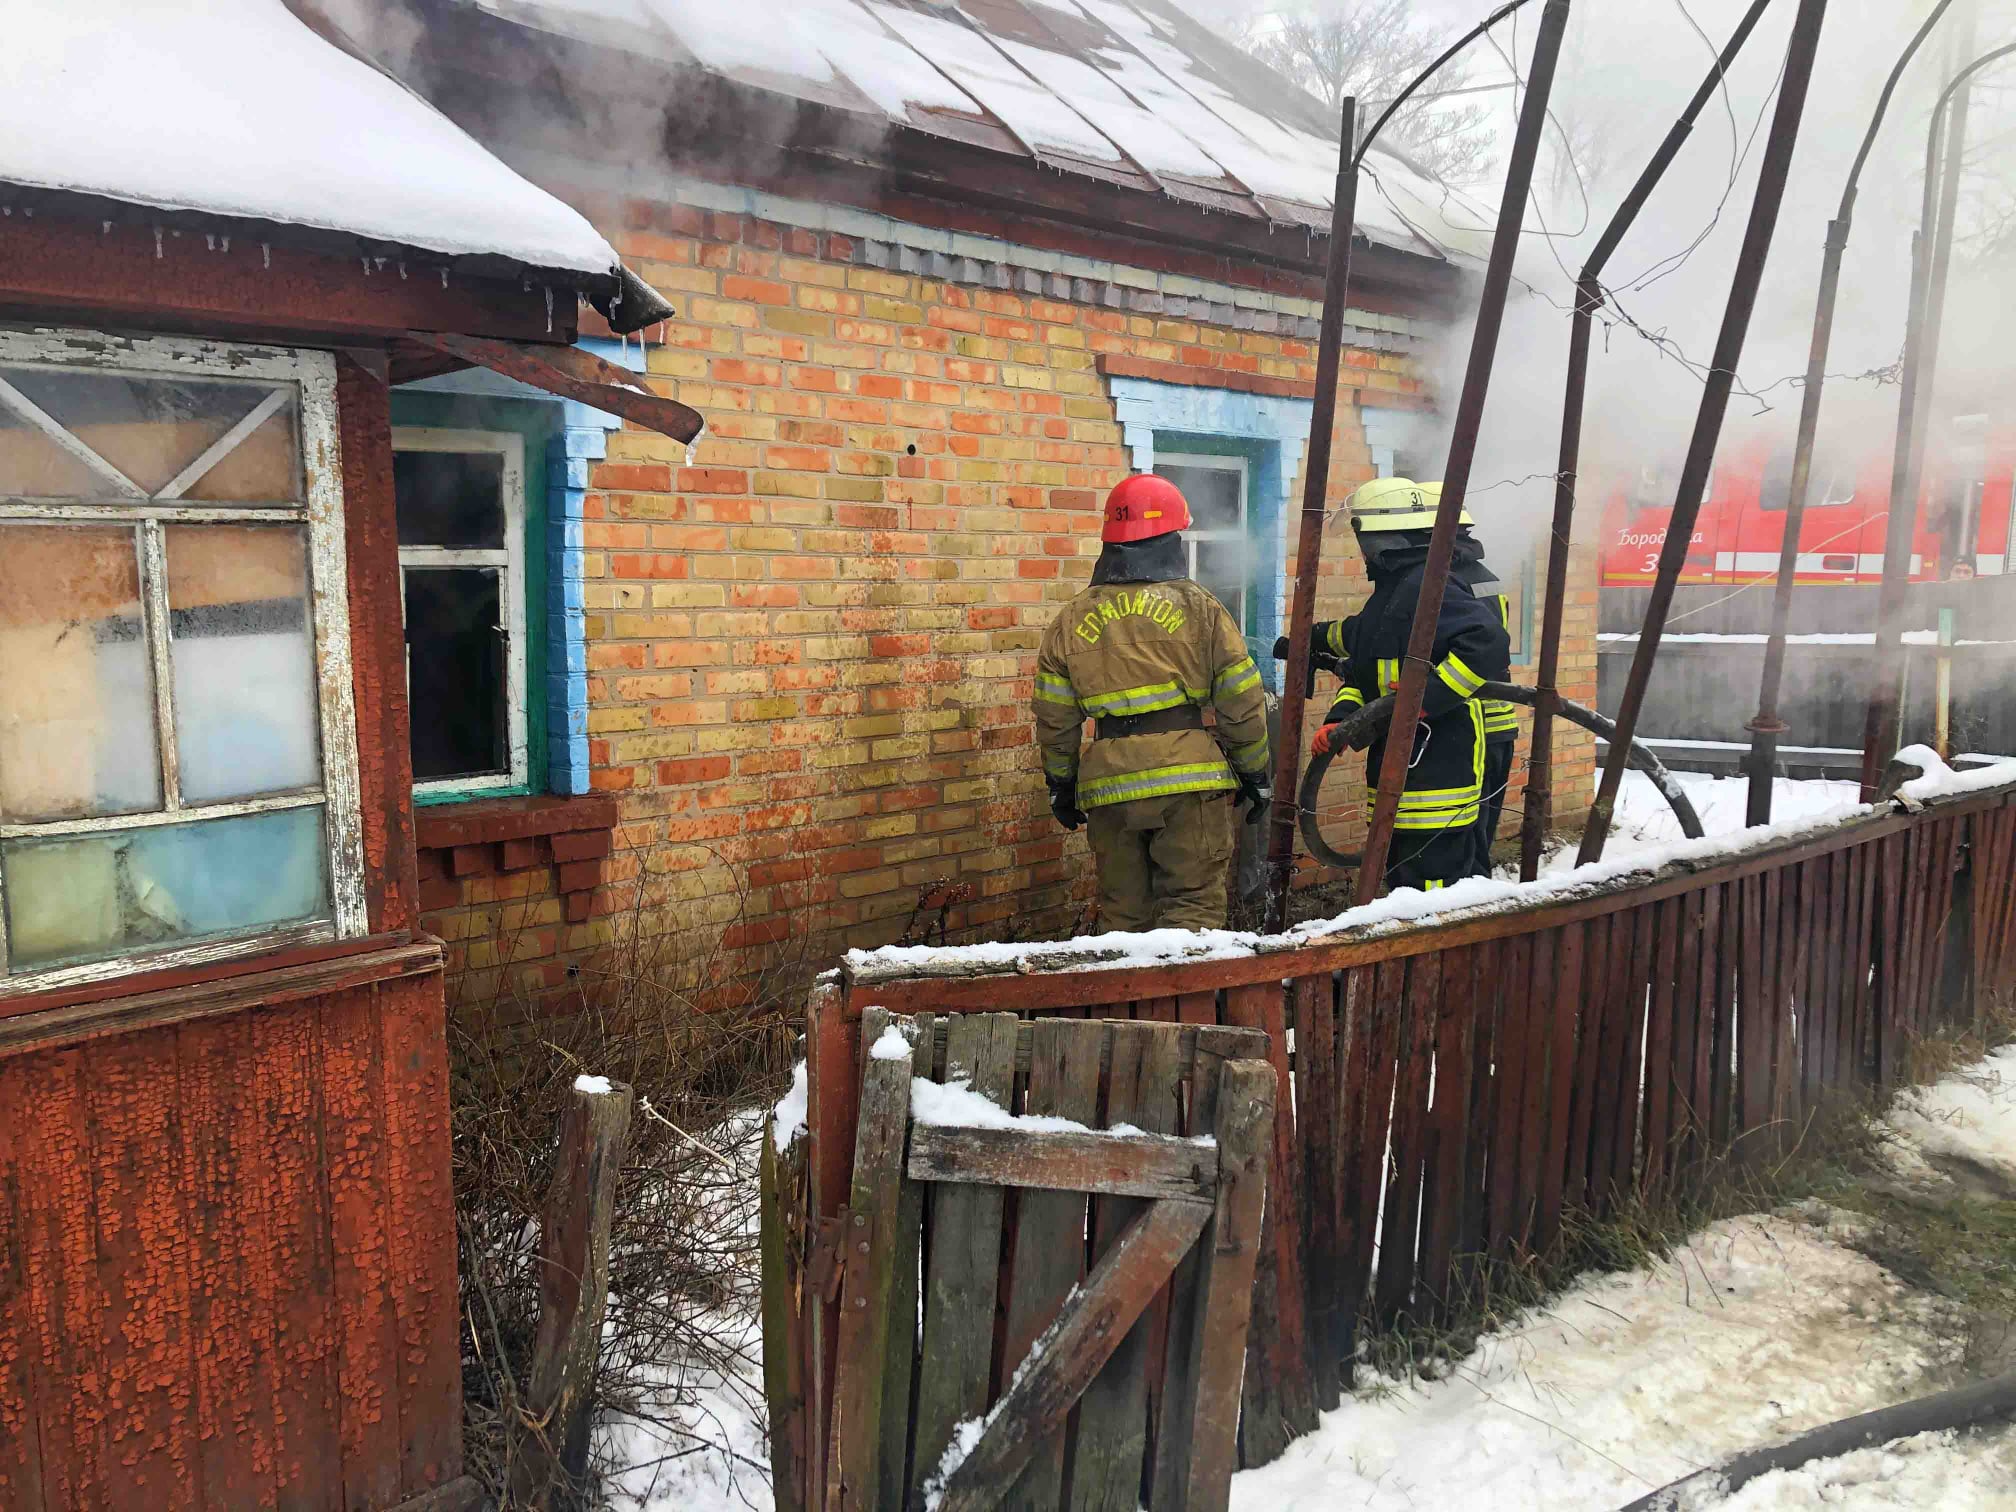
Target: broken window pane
1221,567
154,431
243,652
455,672
449,498
1213,494
85,897
77,732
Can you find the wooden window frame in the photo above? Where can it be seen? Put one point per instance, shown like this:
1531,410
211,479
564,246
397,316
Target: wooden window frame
509,562
1242,534
320,511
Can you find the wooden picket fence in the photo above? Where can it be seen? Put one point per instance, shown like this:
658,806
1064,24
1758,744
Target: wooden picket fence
1457,1089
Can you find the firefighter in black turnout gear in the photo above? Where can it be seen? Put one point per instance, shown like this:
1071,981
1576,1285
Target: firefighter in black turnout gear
1438,835
1501,719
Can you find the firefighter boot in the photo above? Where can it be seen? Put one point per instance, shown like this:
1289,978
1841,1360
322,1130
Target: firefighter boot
1162,861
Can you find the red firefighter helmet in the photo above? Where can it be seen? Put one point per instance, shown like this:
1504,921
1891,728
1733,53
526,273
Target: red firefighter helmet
1144,506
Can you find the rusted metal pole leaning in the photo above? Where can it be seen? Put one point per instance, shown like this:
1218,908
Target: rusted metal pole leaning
1771,177
1462,446
1931,252
1539,811
1309,540
1767,726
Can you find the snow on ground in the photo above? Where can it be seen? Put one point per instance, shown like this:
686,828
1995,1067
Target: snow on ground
1970,1114
1645,820
1759,1329
1947,1471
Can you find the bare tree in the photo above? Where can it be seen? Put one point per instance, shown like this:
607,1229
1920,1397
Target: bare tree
1375,48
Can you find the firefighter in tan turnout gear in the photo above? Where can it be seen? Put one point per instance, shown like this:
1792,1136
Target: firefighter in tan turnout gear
1142,652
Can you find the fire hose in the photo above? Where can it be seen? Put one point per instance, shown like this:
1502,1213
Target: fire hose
1354,730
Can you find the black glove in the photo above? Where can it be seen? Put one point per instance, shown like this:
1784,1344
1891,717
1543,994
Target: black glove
1064,804
1281,648
1256,792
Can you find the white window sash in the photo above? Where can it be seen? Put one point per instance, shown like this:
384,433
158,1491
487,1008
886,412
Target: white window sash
321,510
509,563
1237,533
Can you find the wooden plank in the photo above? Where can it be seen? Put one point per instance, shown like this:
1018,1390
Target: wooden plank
1485,1088
833,1090
231,1331
1794,1002
780,1199
899,1372
1632,1071
1316,1129
1280,1390
1049,1250
1189,1288
1111,1436
1089,1327
1244,1115
48,1126
353,1099
147,1438
296,1268
1186,1042
572,1267
1448,1130
1113,1165
24,1383
1561,1023
1753,1027
1197,1007
1520,1079
1724,986
1888,1030
1829,974
1699,963
1659,1067
419,1187
1617,1081
1857,1049
1687,1115
1593,1009
963,1264
868,1240
1394,1292
1373,998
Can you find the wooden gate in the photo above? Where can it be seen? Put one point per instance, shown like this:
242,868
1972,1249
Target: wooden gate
1047,1310
1460,1089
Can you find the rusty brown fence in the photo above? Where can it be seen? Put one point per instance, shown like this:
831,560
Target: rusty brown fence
1452,1090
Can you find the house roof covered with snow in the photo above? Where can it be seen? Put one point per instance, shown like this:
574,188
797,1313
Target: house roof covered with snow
236,108
1132,94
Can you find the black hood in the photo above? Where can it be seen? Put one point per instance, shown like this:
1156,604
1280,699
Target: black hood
1395,553
1159,559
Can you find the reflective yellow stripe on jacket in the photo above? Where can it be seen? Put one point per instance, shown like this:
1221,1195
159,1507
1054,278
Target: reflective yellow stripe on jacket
1157,782
1448,808
1500,717
1143,700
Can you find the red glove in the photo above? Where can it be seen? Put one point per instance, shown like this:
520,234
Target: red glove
1326,742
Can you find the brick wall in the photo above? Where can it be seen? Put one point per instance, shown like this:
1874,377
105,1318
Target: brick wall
811,644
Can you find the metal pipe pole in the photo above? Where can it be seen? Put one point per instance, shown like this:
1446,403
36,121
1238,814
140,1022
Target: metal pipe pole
1539,810
1463,445
1309,540
1881,729
1766,727
1771,177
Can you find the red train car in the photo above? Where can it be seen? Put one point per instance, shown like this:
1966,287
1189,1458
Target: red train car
1962,525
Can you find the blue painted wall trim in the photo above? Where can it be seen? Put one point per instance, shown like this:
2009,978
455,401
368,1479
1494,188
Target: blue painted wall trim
1270,433
582,439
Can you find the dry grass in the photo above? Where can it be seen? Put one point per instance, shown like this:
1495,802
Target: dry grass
702,1035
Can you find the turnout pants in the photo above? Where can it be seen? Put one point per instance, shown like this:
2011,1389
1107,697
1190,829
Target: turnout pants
1497,777
1162,861
1438,832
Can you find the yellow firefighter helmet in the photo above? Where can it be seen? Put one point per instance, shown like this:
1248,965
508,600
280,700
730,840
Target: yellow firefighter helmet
1390,504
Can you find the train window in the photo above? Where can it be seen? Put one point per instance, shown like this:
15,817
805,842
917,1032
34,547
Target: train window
1832,563
1830,483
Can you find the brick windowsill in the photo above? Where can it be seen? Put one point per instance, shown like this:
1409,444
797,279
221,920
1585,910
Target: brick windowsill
571,835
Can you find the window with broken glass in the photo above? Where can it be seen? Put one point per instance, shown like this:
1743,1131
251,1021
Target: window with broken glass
177,742
461,500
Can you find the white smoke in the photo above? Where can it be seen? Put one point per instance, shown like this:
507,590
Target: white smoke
1628,72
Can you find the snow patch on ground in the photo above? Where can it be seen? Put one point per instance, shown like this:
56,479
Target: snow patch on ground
1970,1114
1760,1328
1954,1472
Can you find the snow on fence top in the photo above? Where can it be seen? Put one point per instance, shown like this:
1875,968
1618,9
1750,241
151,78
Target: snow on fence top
1475,897
235,108
1132,92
